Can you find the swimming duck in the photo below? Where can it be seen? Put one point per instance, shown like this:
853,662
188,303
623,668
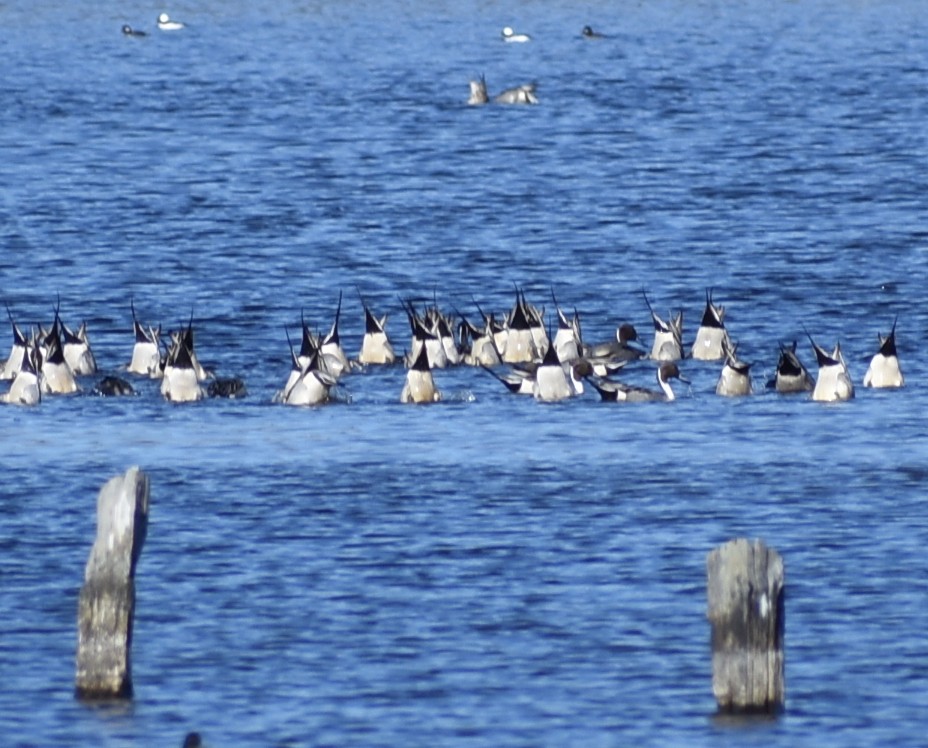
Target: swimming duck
624,348
711,337
26,387
588,33
668,336
622,392
420,385
146,353
735,379
129,31
375,346
166,23
511,36
884,368
791,375
833,382
111,386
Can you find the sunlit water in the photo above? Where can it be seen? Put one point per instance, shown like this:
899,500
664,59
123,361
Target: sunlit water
489,570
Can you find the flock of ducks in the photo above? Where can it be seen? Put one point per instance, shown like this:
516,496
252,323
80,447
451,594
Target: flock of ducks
516,347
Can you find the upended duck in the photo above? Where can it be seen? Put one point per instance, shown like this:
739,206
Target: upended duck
524,94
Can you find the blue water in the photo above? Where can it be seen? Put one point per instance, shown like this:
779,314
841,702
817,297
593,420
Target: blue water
487,571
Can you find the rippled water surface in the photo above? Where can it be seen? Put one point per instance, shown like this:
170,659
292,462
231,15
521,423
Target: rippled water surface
489,570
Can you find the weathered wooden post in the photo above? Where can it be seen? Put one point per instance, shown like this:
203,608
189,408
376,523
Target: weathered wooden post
746,591
107,599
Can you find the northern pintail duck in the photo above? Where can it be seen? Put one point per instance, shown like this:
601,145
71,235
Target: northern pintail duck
57,377
77,351
375,345
884,370
424,338
518,380
146,353
735,379
166,23
483,350
336,362
524,338
180,383
624,348
14,361
420,385
791,375
668,336
588,33
554,381
568,339
26,388
111,386
308,384
833,382
622,392
231,388
129,31
509,35
711,337
524,94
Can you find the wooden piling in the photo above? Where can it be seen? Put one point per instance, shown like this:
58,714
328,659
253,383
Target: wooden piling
746,611
107,599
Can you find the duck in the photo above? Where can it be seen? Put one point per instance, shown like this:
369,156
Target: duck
509,35
375,345
552,382
588,33
14,361
524,94
57,377
518,380
711,338
791,375
884,371
621,392
112,386
483,350
129,31
336,362
624,348
568,339
833,383
308,384
77,351
668,336
26,387
146,353
424,338
420,385
523,339
180,382
231,388
735,379
166,23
